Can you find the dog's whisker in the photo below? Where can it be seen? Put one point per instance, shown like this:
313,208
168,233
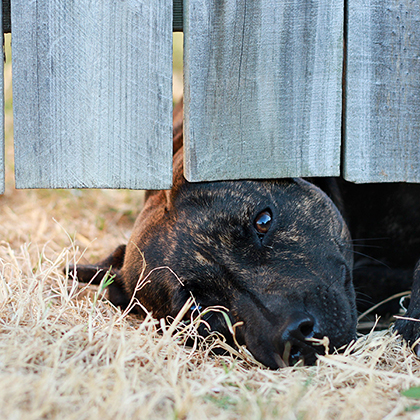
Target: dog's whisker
370,239
368,246
371,258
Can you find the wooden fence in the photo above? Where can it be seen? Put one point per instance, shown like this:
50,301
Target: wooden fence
271,89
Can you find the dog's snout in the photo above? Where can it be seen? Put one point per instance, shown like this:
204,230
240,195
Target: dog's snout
292,342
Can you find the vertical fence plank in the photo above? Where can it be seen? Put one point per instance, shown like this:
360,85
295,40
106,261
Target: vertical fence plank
262,88
2,170
382,125
92,93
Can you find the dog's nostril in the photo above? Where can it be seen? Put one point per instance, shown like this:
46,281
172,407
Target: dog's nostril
307,329
299,326
292,340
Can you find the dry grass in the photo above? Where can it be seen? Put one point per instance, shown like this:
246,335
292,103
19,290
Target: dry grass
66,353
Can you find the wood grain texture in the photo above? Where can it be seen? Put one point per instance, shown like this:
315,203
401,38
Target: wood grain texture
262,88
382,124
92,93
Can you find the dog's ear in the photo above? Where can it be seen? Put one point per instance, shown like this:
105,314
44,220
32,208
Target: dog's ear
95,273
178,120
178,141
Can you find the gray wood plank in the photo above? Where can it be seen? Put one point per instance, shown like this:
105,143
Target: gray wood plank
92,93
262,88
382,123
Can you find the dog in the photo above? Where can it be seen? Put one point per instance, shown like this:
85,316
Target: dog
277,254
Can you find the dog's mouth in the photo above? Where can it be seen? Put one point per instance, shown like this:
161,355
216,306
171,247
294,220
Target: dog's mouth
297,342
296,354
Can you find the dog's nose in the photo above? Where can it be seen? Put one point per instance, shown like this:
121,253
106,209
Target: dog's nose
291,342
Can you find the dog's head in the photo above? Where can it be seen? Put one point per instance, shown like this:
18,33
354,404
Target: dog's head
277,254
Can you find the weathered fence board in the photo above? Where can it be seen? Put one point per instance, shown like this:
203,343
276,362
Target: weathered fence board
262,88
382,124
92,93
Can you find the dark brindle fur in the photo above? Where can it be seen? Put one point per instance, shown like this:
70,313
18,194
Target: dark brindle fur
277,254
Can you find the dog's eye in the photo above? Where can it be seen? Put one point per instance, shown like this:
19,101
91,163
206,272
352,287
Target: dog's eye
263,222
